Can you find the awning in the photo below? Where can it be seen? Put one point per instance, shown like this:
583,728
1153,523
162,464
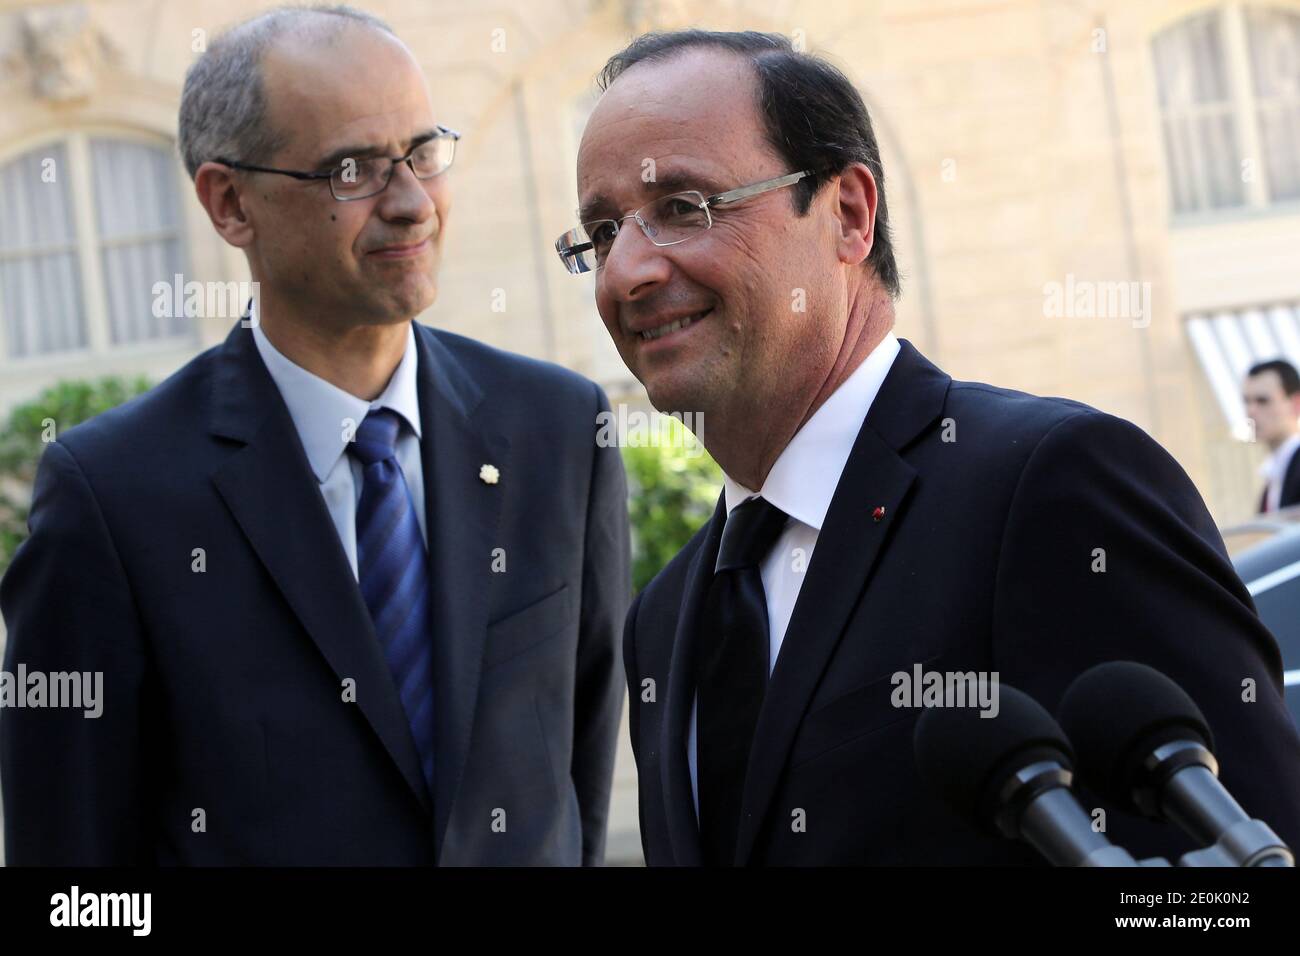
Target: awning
1228,343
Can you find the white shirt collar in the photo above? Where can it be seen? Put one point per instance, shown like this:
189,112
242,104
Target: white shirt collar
804,477
319,408
1275,465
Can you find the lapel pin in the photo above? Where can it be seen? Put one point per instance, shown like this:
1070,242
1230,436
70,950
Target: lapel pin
878,513
489,474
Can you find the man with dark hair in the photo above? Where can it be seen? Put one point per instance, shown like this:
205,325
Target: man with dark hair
806,117
351,604
878,518
1272,397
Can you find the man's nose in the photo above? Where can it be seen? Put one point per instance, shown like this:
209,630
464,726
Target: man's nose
407,196
634,265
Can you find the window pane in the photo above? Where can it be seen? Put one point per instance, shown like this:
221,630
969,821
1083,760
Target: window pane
135,188
1199,124
40,282
1274,39
1190,67
1223,168
137,215
130,272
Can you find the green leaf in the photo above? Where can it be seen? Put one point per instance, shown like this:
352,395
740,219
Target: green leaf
29,429
673,488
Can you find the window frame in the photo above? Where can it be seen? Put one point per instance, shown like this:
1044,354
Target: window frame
1244,106
89,246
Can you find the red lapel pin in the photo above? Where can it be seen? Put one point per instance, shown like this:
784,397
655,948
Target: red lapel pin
878,513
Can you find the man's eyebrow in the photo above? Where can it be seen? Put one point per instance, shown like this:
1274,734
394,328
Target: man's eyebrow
599,207
677,181
370,152
595,208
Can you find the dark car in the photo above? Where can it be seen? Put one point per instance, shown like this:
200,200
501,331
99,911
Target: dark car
1266,553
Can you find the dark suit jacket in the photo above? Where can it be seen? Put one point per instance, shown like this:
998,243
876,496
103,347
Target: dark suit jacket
1290,486
983,561
223,690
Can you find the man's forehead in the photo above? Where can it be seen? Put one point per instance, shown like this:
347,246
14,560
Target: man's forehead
661,126
702,77
642,180
1264,383
690,97
323,109
621,141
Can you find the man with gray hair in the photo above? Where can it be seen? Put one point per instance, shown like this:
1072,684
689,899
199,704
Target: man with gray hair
351,604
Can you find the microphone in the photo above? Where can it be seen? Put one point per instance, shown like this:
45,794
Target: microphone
1145,745
1010,775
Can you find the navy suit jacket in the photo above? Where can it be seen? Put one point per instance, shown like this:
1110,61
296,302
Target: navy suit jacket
227,736
997,507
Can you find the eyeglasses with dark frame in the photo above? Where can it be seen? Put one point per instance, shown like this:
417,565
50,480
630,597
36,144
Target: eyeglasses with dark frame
665,221
363,178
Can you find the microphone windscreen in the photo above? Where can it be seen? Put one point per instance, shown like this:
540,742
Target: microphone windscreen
1116,714
966,758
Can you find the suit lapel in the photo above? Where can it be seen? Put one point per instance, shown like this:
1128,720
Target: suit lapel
679,800
462,514
849,546
1290,483
269,487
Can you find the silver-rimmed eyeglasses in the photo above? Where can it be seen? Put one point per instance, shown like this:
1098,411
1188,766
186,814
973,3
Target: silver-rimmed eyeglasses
369,176
665,221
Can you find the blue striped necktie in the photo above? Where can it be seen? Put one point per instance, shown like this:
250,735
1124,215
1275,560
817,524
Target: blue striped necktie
394,577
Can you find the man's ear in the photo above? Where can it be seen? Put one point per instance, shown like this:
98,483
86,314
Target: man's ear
218,192
855,211
1295,404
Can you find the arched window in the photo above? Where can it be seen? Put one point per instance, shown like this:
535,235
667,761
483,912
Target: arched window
88,225
1228,83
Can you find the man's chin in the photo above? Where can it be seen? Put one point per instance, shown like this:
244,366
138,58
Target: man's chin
673,393
400,305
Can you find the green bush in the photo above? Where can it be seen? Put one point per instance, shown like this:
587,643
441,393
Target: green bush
24,437
673,490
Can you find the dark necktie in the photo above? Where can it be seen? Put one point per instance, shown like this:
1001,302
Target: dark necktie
393,573
731,672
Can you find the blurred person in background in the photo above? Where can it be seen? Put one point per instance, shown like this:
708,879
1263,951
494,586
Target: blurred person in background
1272,396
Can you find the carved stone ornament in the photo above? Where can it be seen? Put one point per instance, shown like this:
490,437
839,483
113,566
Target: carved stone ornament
64,51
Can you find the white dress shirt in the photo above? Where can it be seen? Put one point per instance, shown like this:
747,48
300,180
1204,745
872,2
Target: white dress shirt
1273,471
801,483
320,412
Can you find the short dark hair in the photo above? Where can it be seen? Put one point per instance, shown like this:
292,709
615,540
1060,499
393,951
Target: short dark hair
815,118
1285,371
